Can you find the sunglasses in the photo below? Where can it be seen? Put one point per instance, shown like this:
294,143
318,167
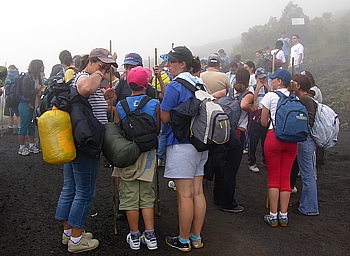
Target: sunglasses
106,67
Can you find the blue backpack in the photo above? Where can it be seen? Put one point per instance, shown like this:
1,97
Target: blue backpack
291,119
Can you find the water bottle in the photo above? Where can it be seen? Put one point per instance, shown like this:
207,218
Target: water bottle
171,184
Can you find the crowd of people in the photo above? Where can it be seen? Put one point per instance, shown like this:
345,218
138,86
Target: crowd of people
96,78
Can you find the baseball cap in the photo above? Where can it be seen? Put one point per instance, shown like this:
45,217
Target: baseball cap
214,58
103,55
282,74
178,53
260,73
221,51
132,59
140,76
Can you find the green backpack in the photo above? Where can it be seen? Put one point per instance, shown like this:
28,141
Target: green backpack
3,75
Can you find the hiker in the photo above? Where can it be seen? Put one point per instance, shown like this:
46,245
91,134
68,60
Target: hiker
30,89
224,61
279,54
232,73
296,53
286,47
11,111
213,78
136,188
279,155
256,130
308,201
80,175
250,66
66,59
225,188
259,63
184,164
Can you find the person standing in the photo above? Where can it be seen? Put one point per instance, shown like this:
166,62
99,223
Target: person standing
30,88
184,164
11,109
80,175
286,46
224,61
296,54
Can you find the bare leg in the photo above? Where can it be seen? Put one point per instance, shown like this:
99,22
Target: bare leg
76,232
273,196
11,121
133,220
284,201
65,225
31,139
148,218
200,206
21,139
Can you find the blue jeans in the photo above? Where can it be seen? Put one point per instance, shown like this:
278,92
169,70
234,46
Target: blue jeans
309,200
78,190
162,140
26,117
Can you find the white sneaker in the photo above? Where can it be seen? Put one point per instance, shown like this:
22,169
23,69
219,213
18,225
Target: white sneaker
83,245
133,241
245,151
23,151
294,190
150,241
33,149
254,168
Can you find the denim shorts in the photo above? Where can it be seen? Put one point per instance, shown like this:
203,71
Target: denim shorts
136,194
183,161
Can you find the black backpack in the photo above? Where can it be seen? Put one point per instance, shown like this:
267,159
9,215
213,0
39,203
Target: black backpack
140,128
12,91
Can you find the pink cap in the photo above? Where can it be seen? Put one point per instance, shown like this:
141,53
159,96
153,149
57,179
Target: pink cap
140,76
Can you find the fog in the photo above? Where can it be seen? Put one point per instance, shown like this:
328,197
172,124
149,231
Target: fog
39,29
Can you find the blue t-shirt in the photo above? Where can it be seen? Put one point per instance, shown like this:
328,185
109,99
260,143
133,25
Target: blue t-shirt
133,101
175,94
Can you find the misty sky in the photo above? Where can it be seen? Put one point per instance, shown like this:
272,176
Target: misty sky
39,29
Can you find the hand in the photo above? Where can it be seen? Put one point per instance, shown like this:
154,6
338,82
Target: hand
255,106
157,71
109,93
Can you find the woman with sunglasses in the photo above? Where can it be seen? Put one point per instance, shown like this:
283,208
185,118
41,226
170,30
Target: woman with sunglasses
80,175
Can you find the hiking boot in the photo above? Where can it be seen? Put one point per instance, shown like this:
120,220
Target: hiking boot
175,243
272,222
149,240
65,238
238,208
23,151
85,244
283,221
196,243
133,241
254,168
33,149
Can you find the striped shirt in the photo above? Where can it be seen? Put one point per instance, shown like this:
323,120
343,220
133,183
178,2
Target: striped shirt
97,100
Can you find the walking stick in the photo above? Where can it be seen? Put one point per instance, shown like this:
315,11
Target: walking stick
157,172
114,194
273,62
2,84
292,67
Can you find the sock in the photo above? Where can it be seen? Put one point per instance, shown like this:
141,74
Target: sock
183,241
21,146
76,240
149,232
10,127
136,233
31,145
273,215
283,215
194,237
67,232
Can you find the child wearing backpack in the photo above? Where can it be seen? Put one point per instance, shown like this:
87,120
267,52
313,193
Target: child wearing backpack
136,181
279,155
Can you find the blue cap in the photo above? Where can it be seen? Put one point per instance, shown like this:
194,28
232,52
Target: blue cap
282,74
132,59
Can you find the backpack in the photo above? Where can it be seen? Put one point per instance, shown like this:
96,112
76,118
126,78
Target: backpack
140,127
291,119
326,126
19,83
12,91
211,125
231,105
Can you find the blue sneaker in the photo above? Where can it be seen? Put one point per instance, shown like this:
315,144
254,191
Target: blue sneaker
175,243
283,221
272,222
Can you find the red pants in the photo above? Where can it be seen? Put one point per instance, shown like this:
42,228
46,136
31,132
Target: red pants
279,159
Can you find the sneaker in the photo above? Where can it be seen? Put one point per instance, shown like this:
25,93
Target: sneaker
294,190
133,241
33,149
196,243
245,151
85,244
150,241
264,163
175,243
272,222
254,168
283,221
238,208
23,151
65,238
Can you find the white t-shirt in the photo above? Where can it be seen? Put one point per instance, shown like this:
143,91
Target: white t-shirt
279,55
270,102
261,95
295,51
252,80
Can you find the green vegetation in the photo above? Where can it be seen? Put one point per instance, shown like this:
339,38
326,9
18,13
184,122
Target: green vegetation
327,51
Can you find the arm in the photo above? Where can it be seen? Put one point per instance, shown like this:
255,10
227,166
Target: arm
220,94
158,75
88,85
248,104
165,116
158,118
264,116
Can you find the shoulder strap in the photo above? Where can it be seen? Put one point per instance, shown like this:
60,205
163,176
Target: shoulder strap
187,84
230,92
125,106
280,94
143,102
